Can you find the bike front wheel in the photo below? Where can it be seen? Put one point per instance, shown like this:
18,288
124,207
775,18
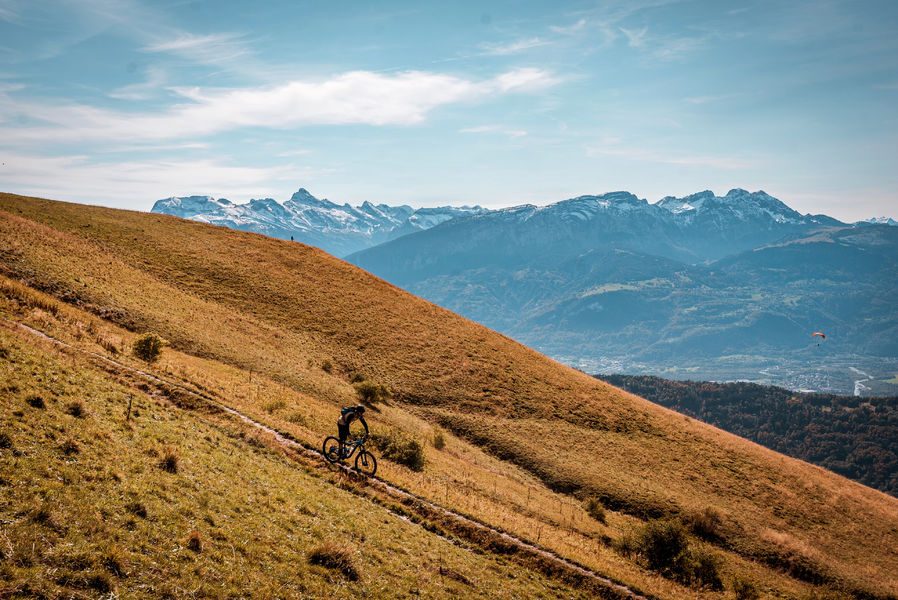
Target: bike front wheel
366,464
331,449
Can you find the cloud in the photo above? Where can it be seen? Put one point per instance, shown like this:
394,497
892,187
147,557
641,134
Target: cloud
512,133
514,47
526,79
569,29
214,48
155,79
357,97
635,37
9,11
117,183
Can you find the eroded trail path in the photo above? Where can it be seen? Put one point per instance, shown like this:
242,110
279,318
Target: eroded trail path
433,516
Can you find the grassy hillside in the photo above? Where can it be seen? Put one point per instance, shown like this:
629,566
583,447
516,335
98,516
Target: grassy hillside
279,330
90,506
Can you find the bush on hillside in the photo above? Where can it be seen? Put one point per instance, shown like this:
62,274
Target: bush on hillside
333,556
370,392
170,460
327,366
664,546
595,509
148,347
745,589
706,524
76,409
397,447
439,440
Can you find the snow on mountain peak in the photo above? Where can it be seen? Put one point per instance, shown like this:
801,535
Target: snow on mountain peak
881,221
320,222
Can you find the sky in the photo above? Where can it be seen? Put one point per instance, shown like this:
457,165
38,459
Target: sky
123,102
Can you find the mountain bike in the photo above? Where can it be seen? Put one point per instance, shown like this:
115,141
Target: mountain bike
365,463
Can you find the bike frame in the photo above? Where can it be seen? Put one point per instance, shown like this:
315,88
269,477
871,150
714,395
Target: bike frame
355,445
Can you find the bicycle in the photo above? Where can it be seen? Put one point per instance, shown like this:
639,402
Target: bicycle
365,463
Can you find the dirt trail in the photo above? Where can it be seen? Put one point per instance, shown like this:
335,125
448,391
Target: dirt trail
557,565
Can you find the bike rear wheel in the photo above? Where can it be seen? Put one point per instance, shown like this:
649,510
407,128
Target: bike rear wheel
331,449
366,464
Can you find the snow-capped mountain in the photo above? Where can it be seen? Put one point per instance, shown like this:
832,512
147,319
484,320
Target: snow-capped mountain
338,229
879,221
612,279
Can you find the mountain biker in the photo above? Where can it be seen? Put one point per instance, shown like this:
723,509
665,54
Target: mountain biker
348,414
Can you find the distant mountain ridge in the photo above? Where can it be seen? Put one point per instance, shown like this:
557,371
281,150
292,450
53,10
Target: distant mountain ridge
338,229
722,287
734,220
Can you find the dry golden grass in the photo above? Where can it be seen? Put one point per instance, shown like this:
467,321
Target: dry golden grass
233,520
242,306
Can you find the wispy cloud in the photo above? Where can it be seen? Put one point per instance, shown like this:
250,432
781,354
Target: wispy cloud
514,47
9,11
635,37
357,97
213,48
115,183
580,25
512,133
675,48
155,79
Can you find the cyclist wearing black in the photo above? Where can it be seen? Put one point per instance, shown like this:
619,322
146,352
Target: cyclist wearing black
349,414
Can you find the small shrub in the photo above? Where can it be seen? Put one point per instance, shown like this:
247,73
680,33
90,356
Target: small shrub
45,516
274,406
370,392
35,401
195,542
745,589
5,441
148,347
169,462
663,545
400,449
706,524
70,447
357,378
327,366
703,569
595,509
297,418
332,556
115,563
109,345
137,509
76,409
439,440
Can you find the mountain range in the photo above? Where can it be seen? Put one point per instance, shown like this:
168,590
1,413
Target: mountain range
719,287
338,229
722,287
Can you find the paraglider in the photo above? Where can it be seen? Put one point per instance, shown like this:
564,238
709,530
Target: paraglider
819,334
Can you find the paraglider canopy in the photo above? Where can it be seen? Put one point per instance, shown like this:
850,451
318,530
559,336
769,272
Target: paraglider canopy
819,334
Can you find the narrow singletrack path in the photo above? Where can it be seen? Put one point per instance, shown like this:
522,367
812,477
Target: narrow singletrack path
553,563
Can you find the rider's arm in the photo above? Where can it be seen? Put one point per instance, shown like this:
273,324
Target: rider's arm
364,424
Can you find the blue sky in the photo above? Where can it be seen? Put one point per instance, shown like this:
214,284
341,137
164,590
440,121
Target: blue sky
122,102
